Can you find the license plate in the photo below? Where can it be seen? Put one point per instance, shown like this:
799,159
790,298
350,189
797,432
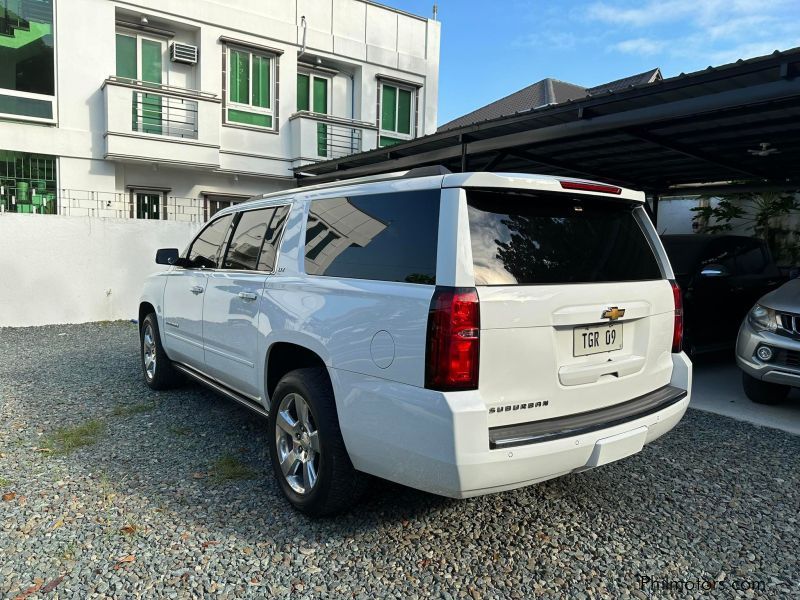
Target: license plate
597,338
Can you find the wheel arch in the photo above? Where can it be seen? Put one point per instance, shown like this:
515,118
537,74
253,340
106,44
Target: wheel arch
285,356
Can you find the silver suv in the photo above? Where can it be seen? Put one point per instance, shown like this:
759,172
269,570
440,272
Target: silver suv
768,347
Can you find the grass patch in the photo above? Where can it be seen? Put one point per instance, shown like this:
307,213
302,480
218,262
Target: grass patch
180,431
67,439
126,410
4,482
230,468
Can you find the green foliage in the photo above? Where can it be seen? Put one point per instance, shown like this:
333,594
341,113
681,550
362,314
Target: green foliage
67,439
230,468
766,213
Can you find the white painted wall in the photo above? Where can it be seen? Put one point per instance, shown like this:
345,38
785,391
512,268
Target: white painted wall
56,269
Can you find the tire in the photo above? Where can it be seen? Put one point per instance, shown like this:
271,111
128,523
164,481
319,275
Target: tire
762,392
158,374
313,470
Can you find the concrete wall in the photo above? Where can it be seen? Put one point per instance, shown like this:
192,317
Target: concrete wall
57,269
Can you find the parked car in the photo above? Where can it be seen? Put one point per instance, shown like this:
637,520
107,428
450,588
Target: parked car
768,347
721,277
461,334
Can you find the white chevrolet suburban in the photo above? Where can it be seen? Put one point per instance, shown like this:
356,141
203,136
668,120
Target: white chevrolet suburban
461,334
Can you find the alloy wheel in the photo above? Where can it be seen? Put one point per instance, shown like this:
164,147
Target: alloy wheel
297,442
149,351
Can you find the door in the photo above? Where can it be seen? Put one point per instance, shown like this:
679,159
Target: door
312,95
184,292
148,205
232,306
142,59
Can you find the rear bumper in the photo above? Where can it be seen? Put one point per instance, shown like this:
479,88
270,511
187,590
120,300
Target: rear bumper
440,443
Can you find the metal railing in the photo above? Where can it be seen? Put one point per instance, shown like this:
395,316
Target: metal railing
89,203
337,141
173,116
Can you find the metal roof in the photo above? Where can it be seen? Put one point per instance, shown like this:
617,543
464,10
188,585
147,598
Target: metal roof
544,92
693,128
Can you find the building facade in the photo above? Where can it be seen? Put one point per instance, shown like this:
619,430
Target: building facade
173,109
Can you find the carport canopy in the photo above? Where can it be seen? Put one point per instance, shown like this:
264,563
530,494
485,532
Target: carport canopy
734,123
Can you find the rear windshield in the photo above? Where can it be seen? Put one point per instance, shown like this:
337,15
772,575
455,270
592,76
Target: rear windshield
545,238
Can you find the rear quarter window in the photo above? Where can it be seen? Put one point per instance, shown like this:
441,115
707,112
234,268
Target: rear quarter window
387,237
545,238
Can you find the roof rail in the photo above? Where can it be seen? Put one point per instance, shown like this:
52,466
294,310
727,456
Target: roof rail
428,171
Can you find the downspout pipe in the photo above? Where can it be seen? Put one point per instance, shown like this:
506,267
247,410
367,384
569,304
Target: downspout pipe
303,46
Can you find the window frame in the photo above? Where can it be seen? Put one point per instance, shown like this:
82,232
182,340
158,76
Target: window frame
270,111
139,37
329,81
412,116
235,224
54,105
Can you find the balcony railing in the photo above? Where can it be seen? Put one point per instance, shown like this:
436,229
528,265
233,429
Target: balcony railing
317,137
165,115
143,118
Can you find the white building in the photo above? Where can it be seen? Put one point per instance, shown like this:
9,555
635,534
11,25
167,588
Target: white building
171,109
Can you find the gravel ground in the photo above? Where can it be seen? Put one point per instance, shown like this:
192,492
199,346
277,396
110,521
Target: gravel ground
144,512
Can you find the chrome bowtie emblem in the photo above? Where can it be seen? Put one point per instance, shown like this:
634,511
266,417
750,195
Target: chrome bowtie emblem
613,313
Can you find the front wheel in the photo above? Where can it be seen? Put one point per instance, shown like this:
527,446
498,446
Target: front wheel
307,451
763,392
159,374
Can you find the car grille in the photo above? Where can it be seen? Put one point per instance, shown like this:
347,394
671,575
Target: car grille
792,358
789,323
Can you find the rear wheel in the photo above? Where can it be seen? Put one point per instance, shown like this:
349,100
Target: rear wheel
763,392
159,374
308,455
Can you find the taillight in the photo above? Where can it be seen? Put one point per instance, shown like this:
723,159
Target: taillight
586,186
677,331
453,345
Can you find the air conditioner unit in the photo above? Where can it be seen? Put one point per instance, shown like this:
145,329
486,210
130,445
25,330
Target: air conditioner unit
183,53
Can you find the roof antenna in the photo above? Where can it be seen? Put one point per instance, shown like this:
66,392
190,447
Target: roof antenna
435,11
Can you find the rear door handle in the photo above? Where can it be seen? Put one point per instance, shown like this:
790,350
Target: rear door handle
197,289
248,296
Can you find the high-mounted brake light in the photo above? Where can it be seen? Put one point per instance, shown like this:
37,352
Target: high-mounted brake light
590,187
677,331
453,344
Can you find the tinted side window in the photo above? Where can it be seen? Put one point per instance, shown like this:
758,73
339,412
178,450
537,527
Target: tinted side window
269,250
205,249
387,237
245,246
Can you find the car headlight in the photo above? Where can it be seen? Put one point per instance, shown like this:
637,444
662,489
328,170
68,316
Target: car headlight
762,318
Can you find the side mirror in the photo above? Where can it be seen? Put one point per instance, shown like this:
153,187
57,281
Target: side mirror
167,256
714,270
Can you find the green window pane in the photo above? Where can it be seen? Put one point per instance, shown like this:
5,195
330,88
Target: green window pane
320,95
261,82
404,111
240,77
248,118
303,92
385,140
151,61
389,108
126,56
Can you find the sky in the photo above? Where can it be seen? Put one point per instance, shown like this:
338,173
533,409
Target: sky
491,48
